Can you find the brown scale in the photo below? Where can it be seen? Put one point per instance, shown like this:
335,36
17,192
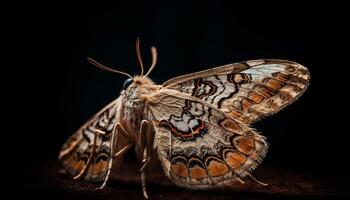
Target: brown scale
93,174
241,66
234,113
275,84
270,88
271,104
246,104
281,76
196,169
75,163
296,79
230,125
215,166
265,91
101,162
101,166
255,97
233,158
244,144
303,71
287,77
98,168
285,96
178,167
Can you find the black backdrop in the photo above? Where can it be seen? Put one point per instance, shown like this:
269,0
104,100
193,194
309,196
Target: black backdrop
56,90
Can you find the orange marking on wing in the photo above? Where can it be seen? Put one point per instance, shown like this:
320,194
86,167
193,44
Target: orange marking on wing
280,76
179,169
254,96
244,144
235,159
275,84
230,125
90,169
246,105
235,114
100,167
216,168
74,164
79,165
197,172
267,92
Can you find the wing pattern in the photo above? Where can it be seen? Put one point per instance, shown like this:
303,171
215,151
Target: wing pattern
87,151
201,119
247,91
198,145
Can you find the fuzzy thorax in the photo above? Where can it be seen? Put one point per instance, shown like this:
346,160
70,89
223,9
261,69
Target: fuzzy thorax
134,101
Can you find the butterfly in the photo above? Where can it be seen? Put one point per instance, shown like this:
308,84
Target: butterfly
198,125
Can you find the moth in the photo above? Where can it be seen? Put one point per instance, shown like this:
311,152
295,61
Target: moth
198,125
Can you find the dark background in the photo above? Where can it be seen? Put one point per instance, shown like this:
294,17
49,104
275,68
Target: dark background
56,90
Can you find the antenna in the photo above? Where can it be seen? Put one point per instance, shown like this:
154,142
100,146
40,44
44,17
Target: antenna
138,53
154,60
94,62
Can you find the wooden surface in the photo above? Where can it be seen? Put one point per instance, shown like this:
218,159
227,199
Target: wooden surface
45,181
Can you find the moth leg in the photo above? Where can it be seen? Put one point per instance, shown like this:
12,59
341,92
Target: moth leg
240,180
125,133
119,129
256,180
122,151
128,145
145,145
143,176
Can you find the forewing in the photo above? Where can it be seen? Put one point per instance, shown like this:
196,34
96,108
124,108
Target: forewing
87,152
198,145
247,91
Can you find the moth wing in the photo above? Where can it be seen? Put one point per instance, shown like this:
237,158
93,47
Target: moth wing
87,152
247,91
200,146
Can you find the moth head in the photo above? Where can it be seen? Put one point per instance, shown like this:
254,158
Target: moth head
141,79
137,81
127,82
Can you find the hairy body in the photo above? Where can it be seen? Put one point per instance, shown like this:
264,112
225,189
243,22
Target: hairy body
198,124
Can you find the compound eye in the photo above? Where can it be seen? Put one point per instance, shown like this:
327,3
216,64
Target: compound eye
127,82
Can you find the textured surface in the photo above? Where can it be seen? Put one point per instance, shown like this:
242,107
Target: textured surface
45,182
202,135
